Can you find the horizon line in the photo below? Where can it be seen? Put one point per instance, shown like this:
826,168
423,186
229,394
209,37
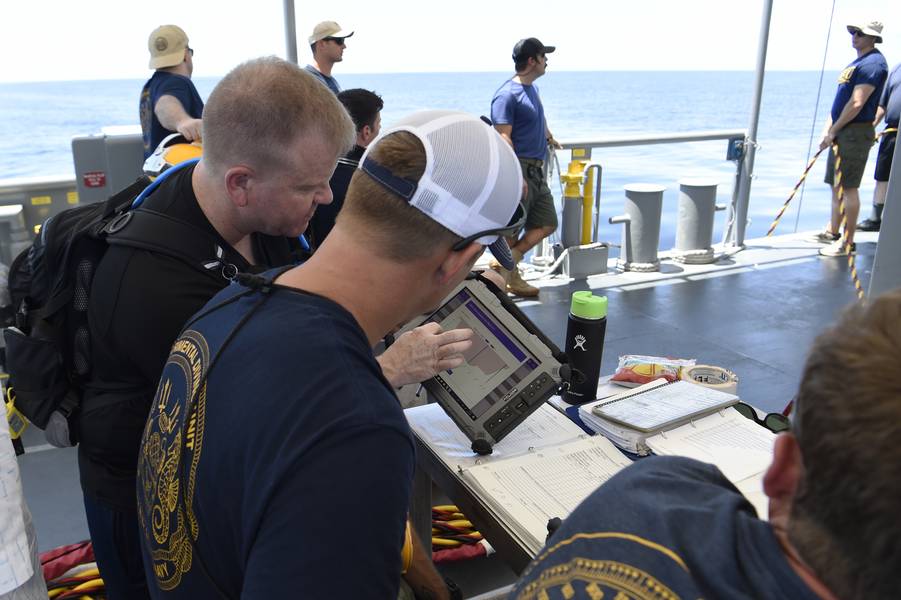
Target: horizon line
624,70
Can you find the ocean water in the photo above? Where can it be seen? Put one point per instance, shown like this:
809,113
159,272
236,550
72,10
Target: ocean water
38,120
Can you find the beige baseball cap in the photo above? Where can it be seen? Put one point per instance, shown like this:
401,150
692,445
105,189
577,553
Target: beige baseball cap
873,28
167,45
328,29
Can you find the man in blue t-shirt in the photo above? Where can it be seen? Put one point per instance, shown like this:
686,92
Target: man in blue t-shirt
276,460
672,527
518,115
850,128
169,101
327,45
889,109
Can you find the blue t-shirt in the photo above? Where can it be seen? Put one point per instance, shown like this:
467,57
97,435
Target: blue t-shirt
329,81
298,461
664,527
870,69
164,83
891,98
520,106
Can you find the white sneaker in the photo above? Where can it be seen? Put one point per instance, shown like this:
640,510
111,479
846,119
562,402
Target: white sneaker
837,248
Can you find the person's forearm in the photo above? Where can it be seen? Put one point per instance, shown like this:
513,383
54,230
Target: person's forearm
852,109
422,576
170,113
880,113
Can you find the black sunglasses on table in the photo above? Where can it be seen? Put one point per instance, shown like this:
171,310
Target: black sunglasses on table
775,422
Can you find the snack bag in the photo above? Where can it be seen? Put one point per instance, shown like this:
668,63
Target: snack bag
635,370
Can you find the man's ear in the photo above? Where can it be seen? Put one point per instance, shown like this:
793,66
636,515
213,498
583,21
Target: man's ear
238,183
366,135
456,261
780,483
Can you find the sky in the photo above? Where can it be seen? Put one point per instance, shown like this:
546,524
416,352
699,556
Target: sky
47,40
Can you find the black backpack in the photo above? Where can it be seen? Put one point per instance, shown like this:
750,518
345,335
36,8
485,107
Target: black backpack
48,350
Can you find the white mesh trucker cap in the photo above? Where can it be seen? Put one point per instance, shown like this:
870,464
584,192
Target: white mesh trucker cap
472,182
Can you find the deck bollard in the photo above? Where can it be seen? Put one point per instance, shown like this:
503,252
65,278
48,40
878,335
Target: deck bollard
694,227
641,231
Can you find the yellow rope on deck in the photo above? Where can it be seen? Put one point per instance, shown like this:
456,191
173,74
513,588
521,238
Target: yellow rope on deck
843,223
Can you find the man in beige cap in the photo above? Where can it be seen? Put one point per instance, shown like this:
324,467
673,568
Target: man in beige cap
169,101
850,128
327,46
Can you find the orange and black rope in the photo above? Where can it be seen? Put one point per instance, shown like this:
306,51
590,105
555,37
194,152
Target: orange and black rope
794,191
804,177
450,528
843,223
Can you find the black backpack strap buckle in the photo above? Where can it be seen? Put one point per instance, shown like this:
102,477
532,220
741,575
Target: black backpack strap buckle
119,223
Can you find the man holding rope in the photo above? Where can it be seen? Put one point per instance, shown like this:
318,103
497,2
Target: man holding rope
850,130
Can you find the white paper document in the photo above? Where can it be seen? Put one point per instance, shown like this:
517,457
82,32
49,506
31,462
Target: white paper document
737,445
528,490
15,556
544,427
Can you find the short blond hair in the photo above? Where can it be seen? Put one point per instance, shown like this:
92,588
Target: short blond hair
399,231
261,107
845,518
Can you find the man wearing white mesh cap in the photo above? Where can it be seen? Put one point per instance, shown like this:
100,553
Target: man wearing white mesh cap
289,405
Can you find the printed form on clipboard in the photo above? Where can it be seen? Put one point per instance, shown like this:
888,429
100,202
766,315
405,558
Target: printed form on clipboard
543,469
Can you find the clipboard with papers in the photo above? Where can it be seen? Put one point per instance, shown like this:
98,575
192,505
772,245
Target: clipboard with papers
660,406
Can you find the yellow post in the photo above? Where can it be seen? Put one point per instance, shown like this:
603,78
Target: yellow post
572,203
587,206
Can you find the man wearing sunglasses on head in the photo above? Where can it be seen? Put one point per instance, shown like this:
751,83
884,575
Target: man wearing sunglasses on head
673,527
327,45
277,461
850,127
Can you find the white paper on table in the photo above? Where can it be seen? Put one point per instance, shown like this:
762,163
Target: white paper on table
737,445
15,557
544,427
527,491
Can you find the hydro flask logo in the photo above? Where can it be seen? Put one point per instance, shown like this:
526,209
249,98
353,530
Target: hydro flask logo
580,342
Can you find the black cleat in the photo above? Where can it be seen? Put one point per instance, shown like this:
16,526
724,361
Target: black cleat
869,225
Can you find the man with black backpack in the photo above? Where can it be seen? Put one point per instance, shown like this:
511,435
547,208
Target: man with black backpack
272,135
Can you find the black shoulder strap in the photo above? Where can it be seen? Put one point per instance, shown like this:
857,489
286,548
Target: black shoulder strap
158,232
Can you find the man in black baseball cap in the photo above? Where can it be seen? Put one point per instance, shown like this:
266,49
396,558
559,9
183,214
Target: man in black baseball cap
530,48
518,115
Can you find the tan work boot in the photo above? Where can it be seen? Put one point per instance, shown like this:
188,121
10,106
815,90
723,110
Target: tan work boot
516,285
496,266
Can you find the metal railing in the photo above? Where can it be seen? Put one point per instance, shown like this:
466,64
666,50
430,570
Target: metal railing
735,228
653,139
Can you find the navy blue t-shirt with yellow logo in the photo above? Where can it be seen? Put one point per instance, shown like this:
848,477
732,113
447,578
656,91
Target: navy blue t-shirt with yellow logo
869,69
161,84
291,468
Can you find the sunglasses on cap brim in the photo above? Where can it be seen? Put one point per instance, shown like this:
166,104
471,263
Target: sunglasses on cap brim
512,228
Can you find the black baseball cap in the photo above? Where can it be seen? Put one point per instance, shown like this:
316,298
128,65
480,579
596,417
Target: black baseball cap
530,48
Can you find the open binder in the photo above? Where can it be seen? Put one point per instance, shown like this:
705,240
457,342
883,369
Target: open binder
548,465
542,470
